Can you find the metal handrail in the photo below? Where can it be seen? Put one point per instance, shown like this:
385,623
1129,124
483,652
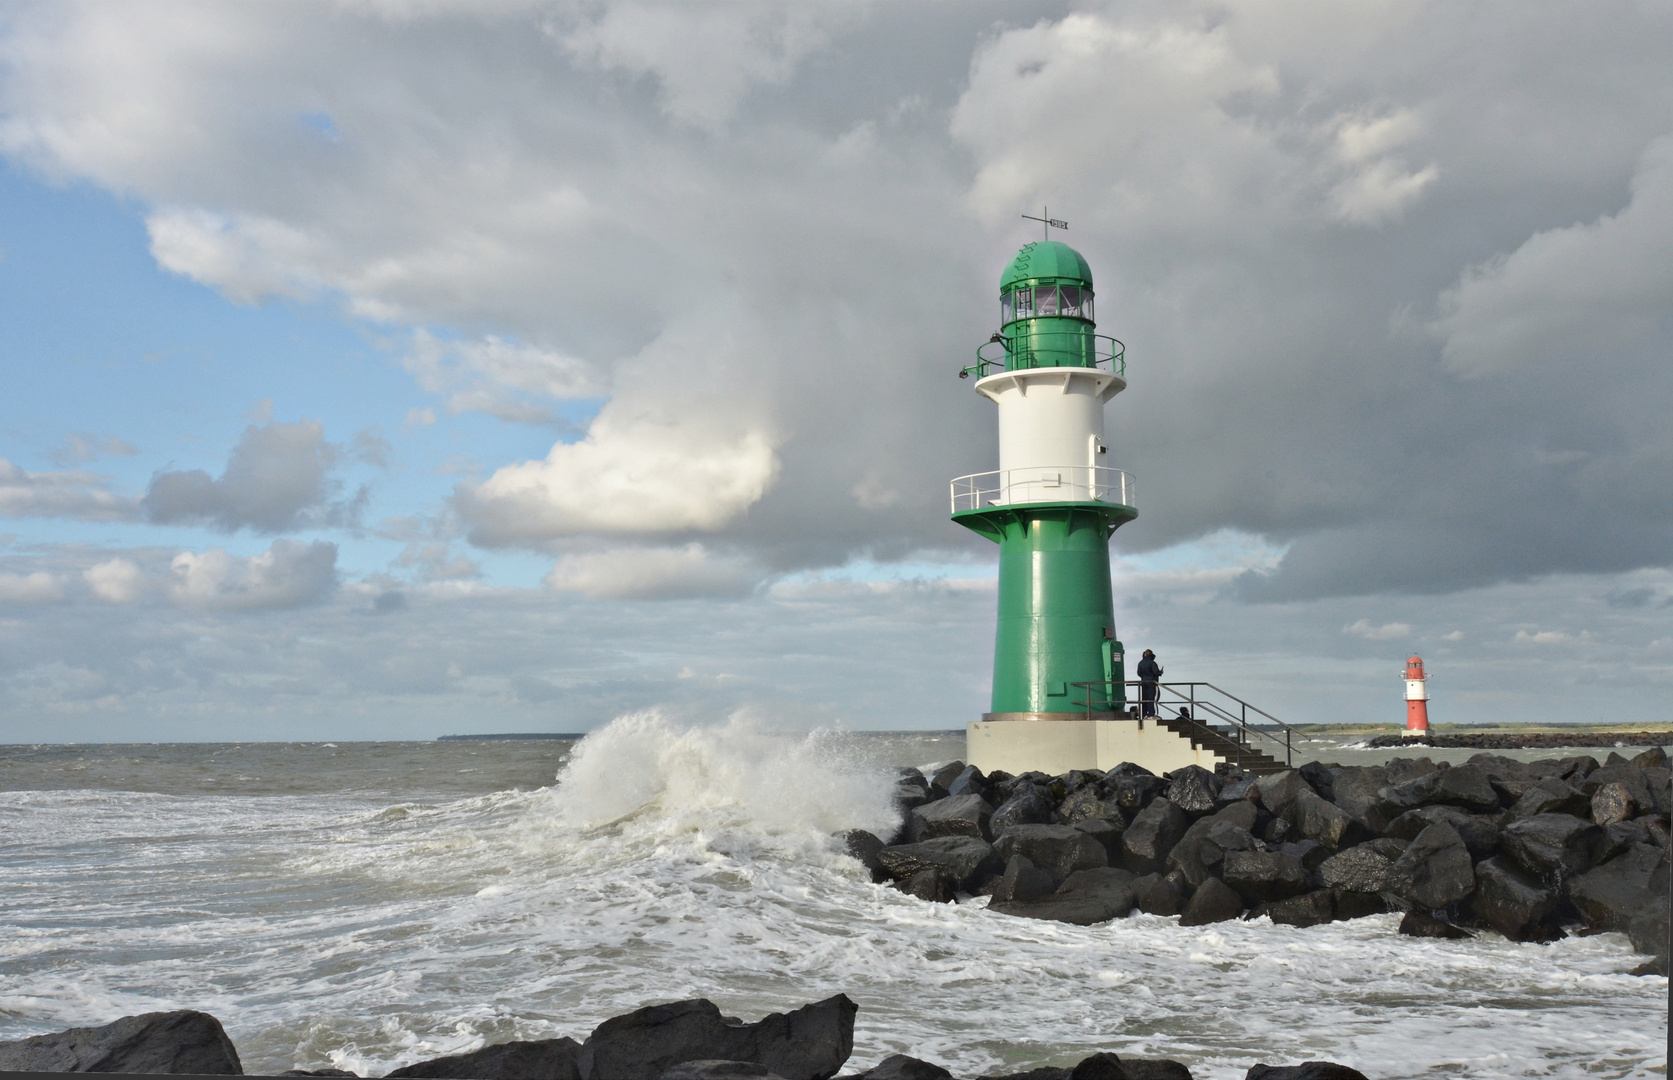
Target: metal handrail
1190,698
1056,483
1111,358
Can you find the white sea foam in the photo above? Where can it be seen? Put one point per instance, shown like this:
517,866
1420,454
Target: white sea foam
674,862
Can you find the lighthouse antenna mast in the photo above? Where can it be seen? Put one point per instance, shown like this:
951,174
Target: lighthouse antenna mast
1047,222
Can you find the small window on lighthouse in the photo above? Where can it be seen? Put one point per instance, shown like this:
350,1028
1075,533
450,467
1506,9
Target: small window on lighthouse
1025,303
1045,300
1007,309
1071,300
1086,304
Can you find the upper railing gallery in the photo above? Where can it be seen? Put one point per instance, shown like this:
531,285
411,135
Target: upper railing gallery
1049,348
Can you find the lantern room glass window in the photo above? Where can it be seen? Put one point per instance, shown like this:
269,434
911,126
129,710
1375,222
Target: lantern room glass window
1044,301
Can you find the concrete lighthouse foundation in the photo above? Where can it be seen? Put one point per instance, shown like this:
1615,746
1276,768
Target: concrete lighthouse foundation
1056,746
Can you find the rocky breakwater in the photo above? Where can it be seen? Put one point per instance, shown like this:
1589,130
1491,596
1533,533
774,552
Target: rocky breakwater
1531,851
683,1040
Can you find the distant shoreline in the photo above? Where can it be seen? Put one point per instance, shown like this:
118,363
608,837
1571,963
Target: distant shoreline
508,736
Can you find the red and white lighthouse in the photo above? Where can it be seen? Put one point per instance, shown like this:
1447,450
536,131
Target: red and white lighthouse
1417,699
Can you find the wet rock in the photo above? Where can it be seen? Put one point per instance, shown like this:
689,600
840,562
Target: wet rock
1388,847
1089,803
911,791
1193,789
1026,807
1400,770
1061,849
1465,786
1075,779
1612,895
971,782
1355,789
1308,909
1653,758
1358,869
1648,932
1425,924
1480,832
967,859
1107,832
1155,1069
1434,871
1357,905
1277,791
543,1059
1214,901
809,1043
1628,776
1513,902
1240,789
945,776
1085,898
1307,1070
1045,1073
1199,852
1311,853
1153,833
1157,895
1098,878
1554,845
184,1041
319,1072
1551,797
716,1070
956,815
1323,822
1022,880
1262,876
1612,803
901,1067
1661,791
1277,831
932,884
864,847
1320,777
1624,834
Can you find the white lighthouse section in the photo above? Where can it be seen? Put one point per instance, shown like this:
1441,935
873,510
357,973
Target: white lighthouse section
1051,436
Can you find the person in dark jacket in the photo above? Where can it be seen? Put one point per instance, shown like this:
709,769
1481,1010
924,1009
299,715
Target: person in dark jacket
1150,672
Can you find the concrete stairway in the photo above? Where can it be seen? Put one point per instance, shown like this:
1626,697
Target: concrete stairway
1215,742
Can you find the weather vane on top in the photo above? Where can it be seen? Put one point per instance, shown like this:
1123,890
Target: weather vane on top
1048,223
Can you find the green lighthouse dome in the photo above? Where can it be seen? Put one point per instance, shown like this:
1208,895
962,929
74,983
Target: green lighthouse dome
1046,263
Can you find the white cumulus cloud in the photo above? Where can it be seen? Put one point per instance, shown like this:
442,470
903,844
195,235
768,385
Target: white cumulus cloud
1386,632
115,581
39,587
652,573
288,574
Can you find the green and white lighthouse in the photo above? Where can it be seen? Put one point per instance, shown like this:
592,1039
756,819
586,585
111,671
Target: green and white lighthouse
1051,506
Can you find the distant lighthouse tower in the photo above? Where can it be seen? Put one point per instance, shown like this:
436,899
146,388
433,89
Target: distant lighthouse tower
1052,505
1417,700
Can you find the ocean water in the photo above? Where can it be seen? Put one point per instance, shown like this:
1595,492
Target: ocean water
367,905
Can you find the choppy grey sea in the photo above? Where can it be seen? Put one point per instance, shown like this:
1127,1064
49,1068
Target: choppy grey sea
367,905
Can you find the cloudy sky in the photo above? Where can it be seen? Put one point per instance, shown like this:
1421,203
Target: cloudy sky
393,369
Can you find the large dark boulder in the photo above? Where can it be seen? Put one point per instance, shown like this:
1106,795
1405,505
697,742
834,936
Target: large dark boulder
1153,833
1627,775
1648,932
1193,789
1354,790
1358,869
1085,897
1027,806
1155,1069
1260,876
967,858
1308,909
1357,905
1612,895
1131,788
944,776
901,1067
1323,822
1022,880
185,1041
956,815
1321,778
718,1070
1278,790
1158,895
1465,786
1612,803
864,847
1551,796
1214,901
1434,871
1400,770
1659,779
1513,902
542,1059
1201,850
1108,834
1089,802
970,781
809,1043
1061,849
1419,923
911,790
932,884
1554,846
1480,832
1307,1070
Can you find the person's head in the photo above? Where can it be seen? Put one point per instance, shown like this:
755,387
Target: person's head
1150,654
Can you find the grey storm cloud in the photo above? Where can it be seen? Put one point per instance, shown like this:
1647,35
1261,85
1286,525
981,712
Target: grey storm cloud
1393,279
278,477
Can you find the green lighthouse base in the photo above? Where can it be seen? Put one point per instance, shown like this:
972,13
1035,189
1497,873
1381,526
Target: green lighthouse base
1054,746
